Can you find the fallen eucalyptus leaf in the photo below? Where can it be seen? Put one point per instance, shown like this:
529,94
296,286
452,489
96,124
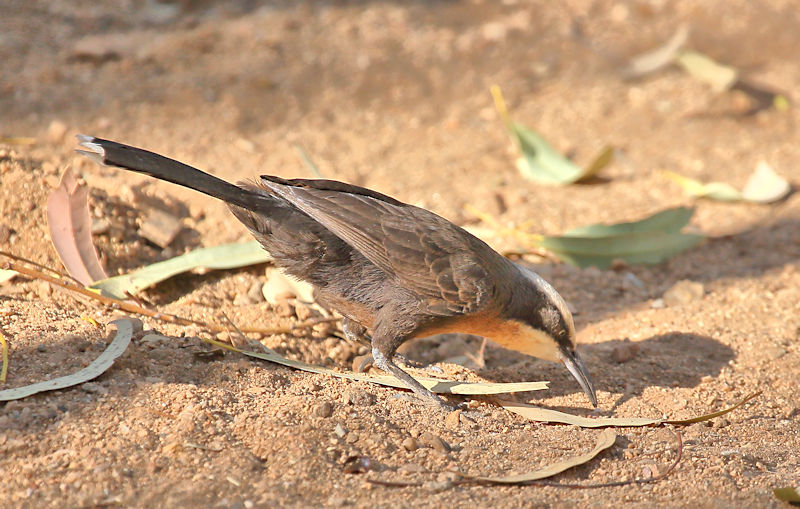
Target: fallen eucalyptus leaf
600,161
658,58
605,440
651,240
125,330
432,384
539,414
540,162
670,220
702,67
765,186
791,495
225,256
71,229
719,191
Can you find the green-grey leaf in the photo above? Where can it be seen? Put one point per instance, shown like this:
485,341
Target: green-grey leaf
634,248
670,221
651,240
226,256
540,162
791,495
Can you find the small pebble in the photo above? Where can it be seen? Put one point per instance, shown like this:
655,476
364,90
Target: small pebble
434,442
100,226
773,352
436,486
304,312
324,409
284,309
254,292
339,430
683,292
412,468
722,423
410,444
625,352
5,233
453,419
359,397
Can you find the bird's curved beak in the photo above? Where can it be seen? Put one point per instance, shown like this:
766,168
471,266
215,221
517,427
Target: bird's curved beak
578,369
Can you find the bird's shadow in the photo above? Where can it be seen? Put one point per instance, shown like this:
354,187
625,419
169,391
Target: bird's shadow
621,367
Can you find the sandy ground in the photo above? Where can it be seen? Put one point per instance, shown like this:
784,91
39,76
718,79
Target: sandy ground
394,96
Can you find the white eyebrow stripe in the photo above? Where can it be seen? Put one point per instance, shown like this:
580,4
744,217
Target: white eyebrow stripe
555,298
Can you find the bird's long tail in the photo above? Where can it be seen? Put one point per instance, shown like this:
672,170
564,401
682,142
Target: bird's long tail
111,153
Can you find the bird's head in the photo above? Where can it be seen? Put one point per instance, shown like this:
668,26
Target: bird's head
547,330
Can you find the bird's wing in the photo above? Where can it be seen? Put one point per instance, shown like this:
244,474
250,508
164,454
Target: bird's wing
446,266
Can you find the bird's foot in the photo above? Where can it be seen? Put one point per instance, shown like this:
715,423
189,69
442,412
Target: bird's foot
428,396
367,361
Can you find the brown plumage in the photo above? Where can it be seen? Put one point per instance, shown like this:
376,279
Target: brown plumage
393,270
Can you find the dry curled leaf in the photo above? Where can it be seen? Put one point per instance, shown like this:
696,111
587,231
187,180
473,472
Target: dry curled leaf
125,330
538,414
71,229
658,58
765,185
605,439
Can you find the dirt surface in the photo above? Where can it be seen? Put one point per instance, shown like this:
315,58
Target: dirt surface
394,96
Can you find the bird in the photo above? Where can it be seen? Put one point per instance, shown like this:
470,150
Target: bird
394,271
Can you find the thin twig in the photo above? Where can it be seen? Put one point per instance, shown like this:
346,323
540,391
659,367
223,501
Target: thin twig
139,310
108,301
40,266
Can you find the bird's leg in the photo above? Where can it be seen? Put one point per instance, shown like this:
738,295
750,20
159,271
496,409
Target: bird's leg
357,333
383,348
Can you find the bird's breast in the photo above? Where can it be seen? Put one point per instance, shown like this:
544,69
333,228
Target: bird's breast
511,334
